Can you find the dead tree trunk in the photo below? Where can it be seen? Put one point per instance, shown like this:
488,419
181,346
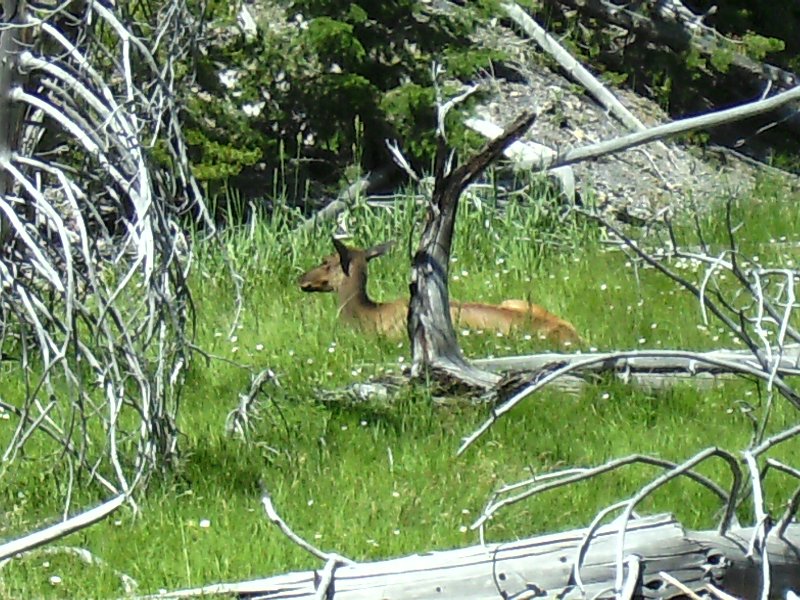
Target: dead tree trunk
434,347
12,42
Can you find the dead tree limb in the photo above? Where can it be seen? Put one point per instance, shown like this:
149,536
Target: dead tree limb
644,362
347,197
749,329
12,41
514,396
434,346
572,67
59,530
523,154
713,119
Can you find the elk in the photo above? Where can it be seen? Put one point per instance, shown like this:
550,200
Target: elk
345,272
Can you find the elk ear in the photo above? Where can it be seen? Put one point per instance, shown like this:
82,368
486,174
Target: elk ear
344,255
380,249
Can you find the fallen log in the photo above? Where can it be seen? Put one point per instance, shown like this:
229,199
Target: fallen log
649,369
573,564
644,363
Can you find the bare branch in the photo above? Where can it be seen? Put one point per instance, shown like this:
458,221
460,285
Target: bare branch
583,363
273,516
550,481
59,530
573,68
238,420
708,121
93,267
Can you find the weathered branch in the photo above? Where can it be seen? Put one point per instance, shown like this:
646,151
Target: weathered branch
651,362
238,420
105,349
526,153
573,68
706,121
346,197
518,395
275,518
59,530
748,329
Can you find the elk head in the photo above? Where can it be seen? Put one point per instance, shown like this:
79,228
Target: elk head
335,268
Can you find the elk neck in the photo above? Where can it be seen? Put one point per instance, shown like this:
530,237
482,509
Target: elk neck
353,299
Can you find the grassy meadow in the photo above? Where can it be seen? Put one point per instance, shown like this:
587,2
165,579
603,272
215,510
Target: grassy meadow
375,480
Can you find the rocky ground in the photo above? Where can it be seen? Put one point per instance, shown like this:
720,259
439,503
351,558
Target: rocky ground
638,181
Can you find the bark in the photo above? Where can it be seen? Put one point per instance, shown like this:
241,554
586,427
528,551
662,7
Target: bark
12,41
434,346
545,567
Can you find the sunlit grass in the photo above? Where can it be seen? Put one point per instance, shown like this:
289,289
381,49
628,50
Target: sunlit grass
372,481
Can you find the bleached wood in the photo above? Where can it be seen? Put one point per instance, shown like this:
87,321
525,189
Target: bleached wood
59,530
709,120
338,205
560,369
347,197
643,362
653,369
526,153
275,518
580,74
575,69
537,157
543,567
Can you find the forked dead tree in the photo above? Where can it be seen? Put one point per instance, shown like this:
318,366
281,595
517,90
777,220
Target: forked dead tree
434,347
631,556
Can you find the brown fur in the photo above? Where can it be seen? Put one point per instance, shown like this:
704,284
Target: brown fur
345,272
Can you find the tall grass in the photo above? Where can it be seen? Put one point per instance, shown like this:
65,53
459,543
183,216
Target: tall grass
377,480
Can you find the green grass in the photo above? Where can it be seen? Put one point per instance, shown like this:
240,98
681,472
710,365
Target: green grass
378,481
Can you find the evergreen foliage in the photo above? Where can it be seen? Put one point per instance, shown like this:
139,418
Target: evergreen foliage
322,85
326,81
